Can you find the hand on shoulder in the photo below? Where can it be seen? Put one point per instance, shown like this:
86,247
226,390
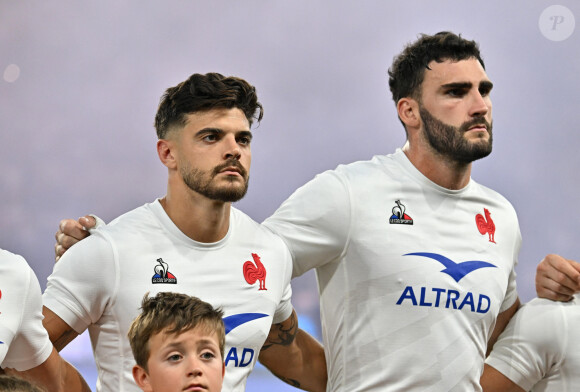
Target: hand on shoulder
70,232
557,278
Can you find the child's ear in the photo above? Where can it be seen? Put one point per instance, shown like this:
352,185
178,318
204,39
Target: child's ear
223,370
141,378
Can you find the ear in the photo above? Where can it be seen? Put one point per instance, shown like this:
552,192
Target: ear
142,378
166,150
408,110
223,370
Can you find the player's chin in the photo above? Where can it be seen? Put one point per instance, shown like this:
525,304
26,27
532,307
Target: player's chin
232,184
481,141
477,136
478,152
232,192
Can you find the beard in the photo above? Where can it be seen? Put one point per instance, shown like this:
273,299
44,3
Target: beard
450,141
202,182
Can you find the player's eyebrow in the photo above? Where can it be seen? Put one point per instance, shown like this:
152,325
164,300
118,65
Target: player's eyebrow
459,85
209,130
219,131
486,84
467,85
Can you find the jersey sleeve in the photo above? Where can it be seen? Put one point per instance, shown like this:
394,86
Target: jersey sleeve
512,292
314,222
284,308
31,345
83,282
532,343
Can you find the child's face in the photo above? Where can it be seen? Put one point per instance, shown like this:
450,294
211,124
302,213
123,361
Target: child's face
189,362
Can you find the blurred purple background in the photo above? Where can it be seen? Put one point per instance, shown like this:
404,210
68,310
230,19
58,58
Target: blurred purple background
81,82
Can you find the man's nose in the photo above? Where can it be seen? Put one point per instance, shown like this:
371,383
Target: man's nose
231,148
479,105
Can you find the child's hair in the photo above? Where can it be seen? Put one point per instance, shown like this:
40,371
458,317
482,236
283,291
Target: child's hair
172,313
15,384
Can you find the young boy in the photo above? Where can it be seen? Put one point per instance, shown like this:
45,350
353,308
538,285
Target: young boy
178,344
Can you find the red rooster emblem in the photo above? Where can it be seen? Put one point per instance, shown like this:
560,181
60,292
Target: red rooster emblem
486,225
255,272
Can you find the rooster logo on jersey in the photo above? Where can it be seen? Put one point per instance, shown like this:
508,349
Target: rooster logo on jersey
255,272
486,225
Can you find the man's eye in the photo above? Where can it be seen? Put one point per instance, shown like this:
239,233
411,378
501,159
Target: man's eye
210,138
456,92
244,140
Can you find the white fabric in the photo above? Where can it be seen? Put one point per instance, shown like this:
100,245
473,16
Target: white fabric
540,348
388,319
100,282
98,222
24,343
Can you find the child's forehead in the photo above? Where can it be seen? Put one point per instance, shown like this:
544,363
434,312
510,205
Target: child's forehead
199,333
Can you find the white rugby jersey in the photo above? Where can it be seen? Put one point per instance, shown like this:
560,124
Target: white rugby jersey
100,282
540,348
411,275
24,343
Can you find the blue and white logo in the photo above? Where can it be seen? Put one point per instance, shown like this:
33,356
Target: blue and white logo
456,270
242,356
447,298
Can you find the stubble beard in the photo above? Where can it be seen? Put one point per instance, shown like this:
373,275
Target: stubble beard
450,141
203,183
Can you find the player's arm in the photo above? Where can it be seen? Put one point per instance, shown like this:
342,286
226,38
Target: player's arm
70,232
59,332
31,352
494,381
502,321
294,356
557,278
55,375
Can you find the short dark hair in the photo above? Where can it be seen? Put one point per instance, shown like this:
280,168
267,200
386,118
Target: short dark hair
201,93
15,384
172,313
408,69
